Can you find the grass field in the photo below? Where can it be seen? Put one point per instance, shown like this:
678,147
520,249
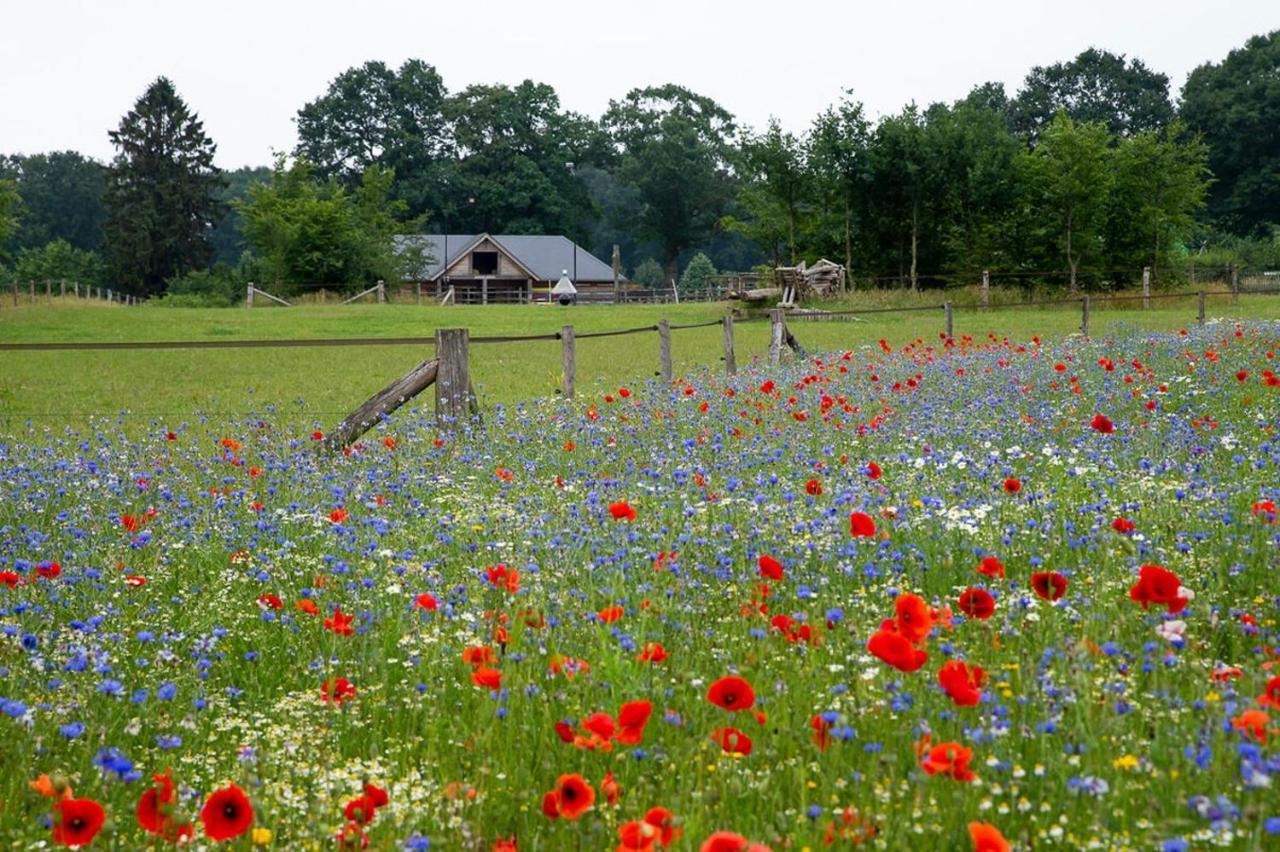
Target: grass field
315,387
874,601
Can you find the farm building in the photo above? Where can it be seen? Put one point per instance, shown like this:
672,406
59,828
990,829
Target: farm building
505,268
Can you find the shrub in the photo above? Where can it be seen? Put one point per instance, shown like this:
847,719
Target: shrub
698,274
648,274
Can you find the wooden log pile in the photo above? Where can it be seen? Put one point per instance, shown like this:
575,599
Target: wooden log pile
819,281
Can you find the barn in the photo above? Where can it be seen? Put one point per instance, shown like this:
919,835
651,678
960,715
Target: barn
506,268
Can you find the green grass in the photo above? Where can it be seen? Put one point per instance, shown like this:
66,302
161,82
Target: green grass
318,386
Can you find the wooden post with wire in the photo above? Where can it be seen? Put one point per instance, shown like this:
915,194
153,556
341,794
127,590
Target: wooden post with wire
453,376
986,288
776,336
1200,313
946,307
1146,288
1084,316
664,349
568,362
730,360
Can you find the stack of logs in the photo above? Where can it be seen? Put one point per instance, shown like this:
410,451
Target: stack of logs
822,280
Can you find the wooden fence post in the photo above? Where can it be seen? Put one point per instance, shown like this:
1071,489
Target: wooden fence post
730,360
48,290
1084,316
453,377
776,336
15,292
1200,317
1146,288
417,285
248,295
946,307
77,289
1235,281
664,349
62,288
31,288
382,292
568,362
986,288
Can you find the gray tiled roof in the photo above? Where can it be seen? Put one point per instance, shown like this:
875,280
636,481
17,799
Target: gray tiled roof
547,256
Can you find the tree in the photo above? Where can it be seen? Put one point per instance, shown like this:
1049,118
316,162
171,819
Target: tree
838,160
374,116
315,232
227,239
517,155
59,261
10,206
900,180
699,274
1069,177
1235,107
1160,184
61,197
1097,86
973,153
648,274
161,194
774,192
675,148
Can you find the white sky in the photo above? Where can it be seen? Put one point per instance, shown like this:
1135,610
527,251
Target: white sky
69,69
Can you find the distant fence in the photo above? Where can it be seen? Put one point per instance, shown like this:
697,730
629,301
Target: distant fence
34,291
450,369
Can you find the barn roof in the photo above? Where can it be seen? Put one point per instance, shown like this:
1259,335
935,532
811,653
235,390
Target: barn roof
546,256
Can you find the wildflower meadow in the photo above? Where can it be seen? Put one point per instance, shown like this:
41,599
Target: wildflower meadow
960,593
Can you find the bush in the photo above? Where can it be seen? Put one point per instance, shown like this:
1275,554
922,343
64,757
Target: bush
698,274
648,274
219,287
59,261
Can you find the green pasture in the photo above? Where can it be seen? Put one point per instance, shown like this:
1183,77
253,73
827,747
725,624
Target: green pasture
318,386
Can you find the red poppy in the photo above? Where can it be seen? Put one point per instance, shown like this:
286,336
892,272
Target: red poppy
1049,585
490,679
1122,525
861,525
948,758
728,841
622,511
337,690
813,488
340,623
1252,723
1012,485
636,836
770,568
732,741
821,727
914,618
991,566
731,693
1270,696
1102,423
896,650
227,814
662,819
632,718
977,603
962,683
600,724
76,821
1158,585
425,601
50,570
154,810
874,471
572,797
10,579
610,614
987,838
338,515
609,786
1266,509
653,653
503,577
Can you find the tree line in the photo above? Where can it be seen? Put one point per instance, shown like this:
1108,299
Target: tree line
1090,171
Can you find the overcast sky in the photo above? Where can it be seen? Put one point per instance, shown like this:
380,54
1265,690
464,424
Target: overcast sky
69,70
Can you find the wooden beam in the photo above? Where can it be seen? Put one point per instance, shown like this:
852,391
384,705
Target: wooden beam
381,404
453,376
568,362
730,360
664,349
